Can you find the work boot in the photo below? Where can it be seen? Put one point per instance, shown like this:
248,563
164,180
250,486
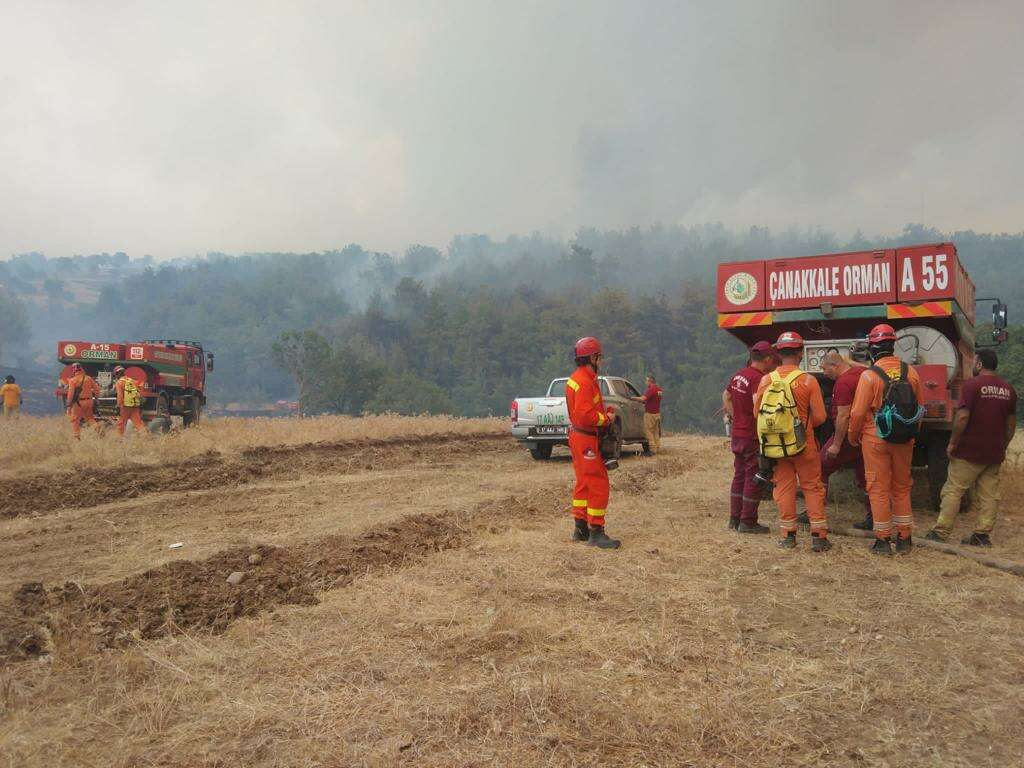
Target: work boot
903,546
733,523
881,547
598,538
934,536
754,527
867,524
977,540
803,519
820,544
581,532
788,541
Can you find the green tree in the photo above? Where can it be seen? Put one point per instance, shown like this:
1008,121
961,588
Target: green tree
410,395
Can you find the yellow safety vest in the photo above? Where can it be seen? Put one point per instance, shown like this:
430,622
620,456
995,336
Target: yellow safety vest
132,396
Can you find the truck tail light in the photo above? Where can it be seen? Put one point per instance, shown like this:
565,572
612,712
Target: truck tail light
515,412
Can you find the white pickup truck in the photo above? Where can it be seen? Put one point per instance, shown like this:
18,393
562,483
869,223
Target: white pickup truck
543,422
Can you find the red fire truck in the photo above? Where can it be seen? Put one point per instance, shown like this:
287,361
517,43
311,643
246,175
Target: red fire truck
172,375
833,300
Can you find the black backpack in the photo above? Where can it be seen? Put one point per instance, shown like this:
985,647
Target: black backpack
899,418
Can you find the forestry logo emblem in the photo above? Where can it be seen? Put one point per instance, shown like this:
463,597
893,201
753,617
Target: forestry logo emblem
741,289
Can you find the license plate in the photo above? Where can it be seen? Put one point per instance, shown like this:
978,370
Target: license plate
551,430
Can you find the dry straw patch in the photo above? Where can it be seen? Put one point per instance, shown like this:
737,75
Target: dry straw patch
33,445
691,646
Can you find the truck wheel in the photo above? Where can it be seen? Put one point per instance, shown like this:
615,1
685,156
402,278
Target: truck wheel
192,415
161,423
938,466
617,440
541,451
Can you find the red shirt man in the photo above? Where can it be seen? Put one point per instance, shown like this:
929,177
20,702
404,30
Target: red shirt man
985,422
652,397
990,401
837,451
652,416
738,403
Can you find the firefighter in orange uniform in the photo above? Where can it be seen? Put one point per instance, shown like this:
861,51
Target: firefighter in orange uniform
805,467
82,390
129,401
886,464
587,417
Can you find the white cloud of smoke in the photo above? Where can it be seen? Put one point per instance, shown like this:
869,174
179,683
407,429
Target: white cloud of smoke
174,129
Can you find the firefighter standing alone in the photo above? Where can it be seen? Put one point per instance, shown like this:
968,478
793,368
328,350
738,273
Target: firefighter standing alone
588,417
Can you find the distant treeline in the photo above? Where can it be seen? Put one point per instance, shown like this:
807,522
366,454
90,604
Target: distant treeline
460,331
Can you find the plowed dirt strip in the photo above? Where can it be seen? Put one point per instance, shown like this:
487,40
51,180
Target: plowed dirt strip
43,495
194,595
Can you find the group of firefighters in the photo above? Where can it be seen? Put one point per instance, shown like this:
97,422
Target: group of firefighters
875,410
82,394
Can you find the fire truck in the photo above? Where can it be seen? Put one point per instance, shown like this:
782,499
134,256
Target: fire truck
171,375
832,300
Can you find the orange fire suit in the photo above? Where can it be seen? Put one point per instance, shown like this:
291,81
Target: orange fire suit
82,390
127,413
886,465
587,415
806,466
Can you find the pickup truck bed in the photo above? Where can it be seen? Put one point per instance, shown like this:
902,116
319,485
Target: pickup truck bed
541,423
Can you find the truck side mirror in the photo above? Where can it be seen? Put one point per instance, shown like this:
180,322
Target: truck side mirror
209,362
998,316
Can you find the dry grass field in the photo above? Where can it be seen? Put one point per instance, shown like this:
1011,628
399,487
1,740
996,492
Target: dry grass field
410,597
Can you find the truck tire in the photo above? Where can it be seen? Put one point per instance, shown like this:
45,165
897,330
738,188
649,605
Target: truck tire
161,423
617,440
192,415
541,451
938,466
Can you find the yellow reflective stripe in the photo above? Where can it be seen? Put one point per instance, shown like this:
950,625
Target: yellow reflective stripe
597,399
596,512
600,419
572,383
792,376
579,502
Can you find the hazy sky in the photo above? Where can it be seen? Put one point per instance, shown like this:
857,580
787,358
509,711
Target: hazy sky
178,128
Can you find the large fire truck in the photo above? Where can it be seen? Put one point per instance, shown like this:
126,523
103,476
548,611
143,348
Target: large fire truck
832,300
171,375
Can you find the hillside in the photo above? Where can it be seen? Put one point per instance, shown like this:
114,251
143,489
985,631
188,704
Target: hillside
461,331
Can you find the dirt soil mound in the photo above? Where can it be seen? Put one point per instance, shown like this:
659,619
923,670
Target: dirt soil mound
88,488
197,595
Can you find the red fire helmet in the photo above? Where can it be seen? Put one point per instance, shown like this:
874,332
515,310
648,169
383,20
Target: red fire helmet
588,346
119,369
880,333
790,340
76,367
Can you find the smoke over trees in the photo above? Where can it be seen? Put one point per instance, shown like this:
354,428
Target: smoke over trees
462,330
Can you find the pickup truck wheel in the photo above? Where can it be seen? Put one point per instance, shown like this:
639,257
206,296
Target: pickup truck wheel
617,440
541,451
